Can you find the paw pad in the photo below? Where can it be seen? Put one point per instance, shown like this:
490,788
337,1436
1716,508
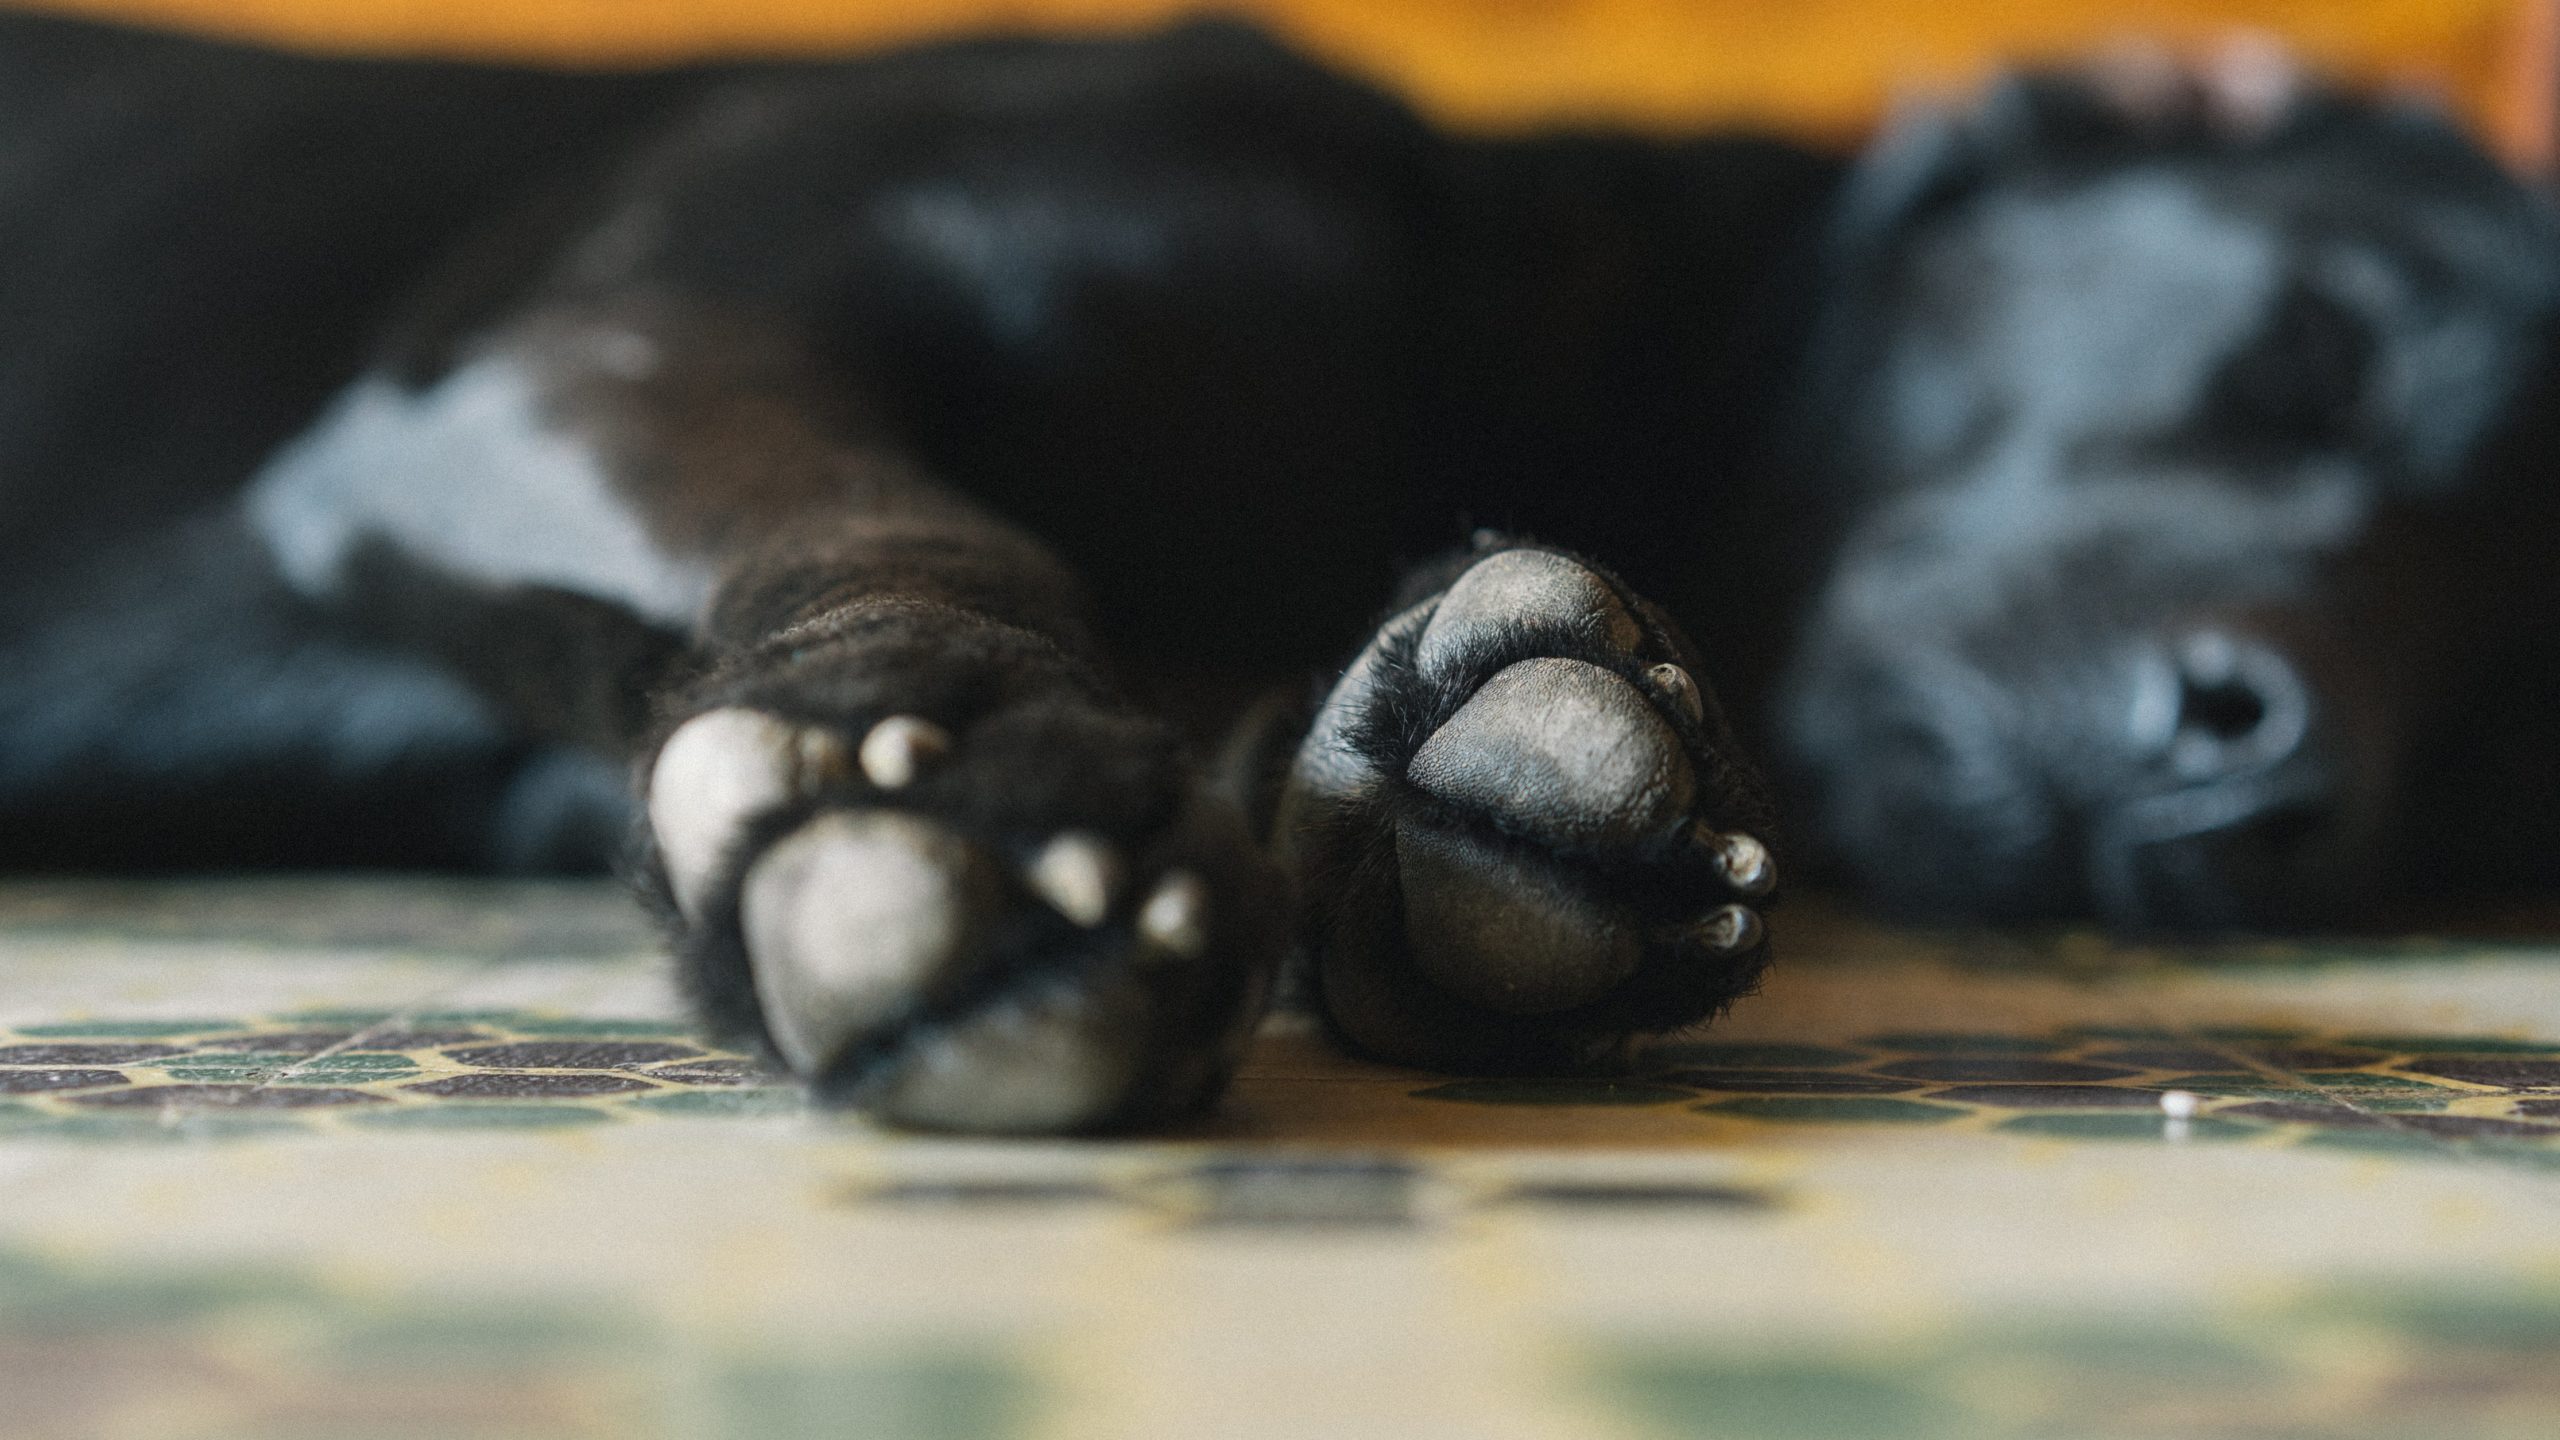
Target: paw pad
854,917
714,774
1510,817
1562,750
1524,587
722,768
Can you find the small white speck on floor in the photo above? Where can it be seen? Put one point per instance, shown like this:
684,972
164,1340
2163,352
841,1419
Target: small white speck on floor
2180,1104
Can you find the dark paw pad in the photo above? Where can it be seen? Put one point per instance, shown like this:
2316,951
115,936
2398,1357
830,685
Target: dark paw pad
1519,824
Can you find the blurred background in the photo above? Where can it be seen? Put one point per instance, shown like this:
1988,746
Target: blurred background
1823,69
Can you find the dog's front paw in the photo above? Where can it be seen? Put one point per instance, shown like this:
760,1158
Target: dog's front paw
1010,912
1520,830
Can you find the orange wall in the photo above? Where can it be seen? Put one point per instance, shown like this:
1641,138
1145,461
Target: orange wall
1824,67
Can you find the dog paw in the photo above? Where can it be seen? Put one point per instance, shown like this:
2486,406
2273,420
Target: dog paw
1521,834
1024,916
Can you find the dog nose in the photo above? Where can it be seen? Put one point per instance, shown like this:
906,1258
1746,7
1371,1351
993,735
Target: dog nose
2220,705
2235,799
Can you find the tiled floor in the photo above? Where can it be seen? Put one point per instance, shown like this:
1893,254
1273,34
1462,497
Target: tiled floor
307,1160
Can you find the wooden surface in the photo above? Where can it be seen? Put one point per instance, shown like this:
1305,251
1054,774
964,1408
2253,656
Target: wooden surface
1819,67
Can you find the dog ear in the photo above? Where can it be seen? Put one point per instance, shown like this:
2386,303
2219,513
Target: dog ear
1926,156
2131,97
1931,152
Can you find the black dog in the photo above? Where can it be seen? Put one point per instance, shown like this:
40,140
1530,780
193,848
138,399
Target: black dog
2189,443
397,454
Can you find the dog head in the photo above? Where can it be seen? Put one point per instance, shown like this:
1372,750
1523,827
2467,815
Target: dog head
2158,415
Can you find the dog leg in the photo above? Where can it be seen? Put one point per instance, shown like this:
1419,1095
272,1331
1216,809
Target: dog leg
1520,827
903,830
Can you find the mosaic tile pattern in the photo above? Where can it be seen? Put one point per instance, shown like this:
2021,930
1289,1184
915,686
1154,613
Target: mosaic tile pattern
103,1078
498,1068
2103,1082
314,1158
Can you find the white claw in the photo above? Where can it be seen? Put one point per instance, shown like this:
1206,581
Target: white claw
1176,916
1674,685
715,773
1731,930
899,748
1747,864
1079,874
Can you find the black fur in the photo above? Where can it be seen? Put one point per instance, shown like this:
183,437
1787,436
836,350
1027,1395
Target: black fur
2301,405
1347,852
993,383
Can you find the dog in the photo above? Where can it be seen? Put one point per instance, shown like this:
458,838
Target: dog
783,479
2186,438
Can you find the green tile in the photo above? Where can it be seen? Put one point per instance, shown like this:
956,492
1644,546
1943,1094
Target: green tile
2378,1142
2121,1126
35,1295
1943,1042
358,1063
2450,1044
1740,1056
127,1029
1555,1092
2113,1349
411,1339
2237,1082
759,1100
233,1060
142,1130
1823,1110
480,1117
573,1025
2469,1318
1708,1398
2525,1155
952,1395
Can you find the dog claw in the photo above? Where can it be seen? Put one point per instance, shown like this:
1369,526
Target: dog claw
1176,917
849,919
1732,930
1746,863
1079,875
899,748
1674,685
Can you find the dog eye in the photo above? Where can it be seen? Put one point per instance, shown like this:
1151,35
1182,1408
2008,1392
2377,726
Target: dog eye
2301,380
